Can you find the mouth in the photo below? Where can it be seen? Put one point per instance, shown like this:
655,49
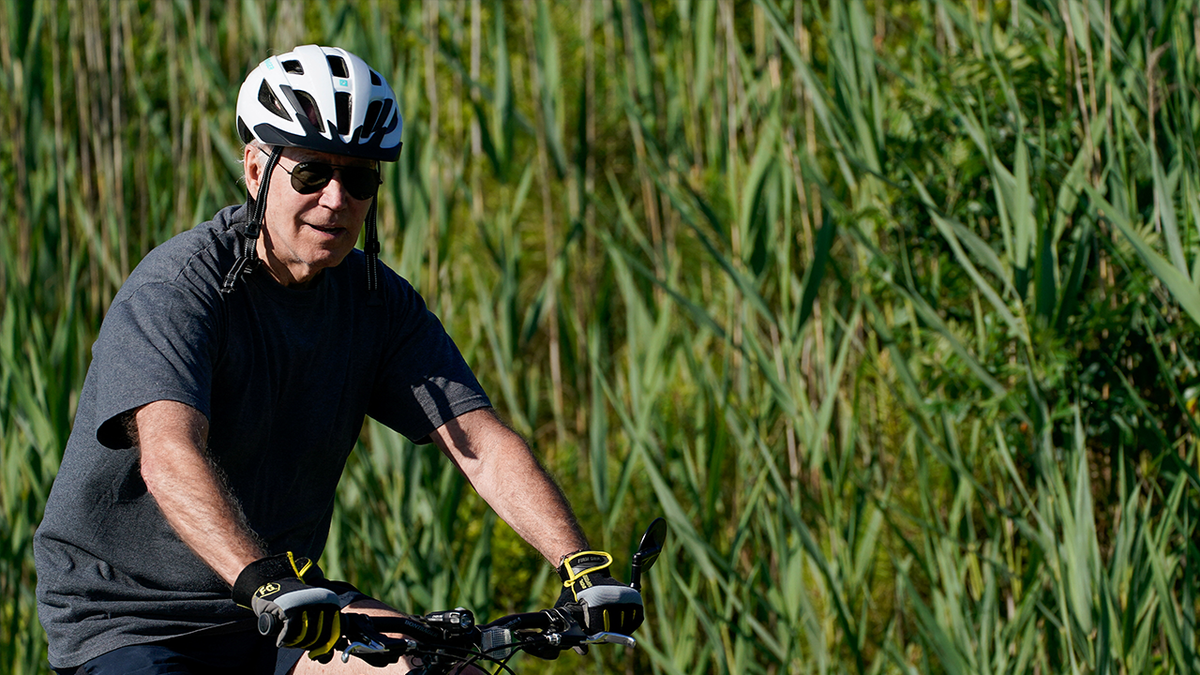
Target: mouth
330,230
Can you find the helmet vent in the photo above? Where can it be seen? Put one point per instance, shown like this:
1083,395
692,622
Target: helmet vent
311,110
244,131
293,66
271,102
342,100
375,79
371,117
337,66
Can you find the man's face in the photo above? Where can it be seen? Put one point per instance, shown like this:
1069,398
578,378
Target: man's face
305,233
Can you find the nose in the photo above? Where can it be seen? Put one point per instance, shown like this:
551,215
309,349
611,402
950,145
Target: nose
334,195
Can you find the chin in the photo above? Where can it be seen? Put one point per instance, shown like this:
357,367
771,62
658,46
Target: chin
328,259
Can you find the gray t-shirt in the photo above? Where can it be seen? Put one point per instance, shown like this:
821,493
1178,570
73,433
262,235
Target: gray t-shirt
285,378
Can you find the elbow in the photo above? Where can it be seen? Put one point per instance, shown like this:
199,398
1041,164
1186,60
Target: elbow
153,472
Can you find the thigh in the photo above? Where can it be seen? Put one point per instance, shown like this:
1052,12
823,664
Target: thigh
286,659
153,659
227,654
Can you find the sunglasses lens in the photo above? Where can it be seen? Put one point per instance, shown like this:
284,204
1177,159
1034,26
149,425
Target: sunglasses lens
360,181
309,177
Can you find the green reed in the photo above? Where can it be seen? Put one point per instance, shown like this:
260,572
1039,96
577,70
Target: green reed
889,308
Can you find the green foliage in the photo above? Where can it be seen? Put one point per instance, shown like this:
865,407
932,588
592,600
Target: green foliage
889,308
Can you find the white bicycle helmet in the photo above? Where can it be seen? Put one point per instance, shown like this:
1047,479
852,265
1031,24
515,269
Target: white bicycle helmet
320,98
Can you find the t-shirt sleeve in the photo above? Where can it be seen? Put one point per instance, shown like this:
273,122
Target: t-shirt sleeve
424,381
156,343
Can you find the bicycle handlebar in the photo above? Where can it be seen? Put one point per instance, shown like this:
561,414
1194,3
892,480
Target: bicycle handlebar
445,640
450,639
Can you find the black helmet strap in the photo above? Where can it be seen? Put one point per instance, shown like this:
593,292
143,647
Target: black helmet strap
371,248
247,259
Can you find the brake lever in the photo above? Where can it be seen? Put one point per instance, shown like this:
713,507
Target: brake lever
611,638
369,647
360,647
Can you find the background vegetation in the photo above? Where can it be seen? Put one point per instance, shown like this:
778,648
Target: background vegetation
890,307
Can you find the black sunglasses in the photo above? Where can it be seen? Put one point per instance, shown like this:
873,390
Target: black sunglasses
362,182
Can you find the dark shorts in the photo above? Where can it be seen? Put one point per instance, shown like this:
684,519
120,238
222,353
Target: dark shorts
242,653
218,652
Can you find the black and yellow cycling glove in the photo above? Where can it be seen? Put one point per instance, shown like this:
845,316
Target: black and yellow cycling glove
607,605
304,616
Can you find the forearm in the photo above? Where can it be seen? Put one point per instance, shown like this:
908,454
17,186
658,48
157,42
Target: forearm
526,497
190,494
505,473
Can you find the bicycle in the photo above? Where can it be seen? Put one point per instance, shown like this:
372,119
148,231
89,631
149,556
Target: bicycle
442,641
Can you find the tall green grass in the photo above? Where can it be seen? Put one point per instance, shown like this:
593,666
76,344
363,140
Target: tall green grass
890,308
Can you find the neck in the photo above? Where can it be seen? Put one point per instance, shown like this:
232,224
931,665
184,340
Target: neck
296,276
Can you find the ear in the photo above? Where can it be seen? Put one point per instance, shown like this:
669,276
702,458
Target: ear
252,167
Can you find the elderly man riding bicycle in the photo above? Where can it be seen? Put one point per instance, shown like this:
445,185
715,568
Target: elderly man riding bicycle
228,385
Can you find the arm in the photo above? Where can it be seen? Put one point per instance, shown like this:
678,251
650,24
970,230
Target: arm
171,438
501,468
505,473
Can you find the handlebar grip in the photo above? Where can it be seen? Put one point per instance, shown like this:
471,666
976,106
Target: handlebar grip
269,624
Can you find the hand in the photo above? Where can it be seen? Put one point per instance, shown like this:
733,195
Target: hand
606,604
305,616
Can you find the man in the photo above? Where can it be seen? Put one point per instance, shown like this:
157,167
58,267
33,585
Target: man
228,385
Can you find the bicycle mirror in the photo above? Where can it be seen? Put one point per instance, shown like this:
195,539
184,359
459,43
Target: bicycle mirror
648,550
